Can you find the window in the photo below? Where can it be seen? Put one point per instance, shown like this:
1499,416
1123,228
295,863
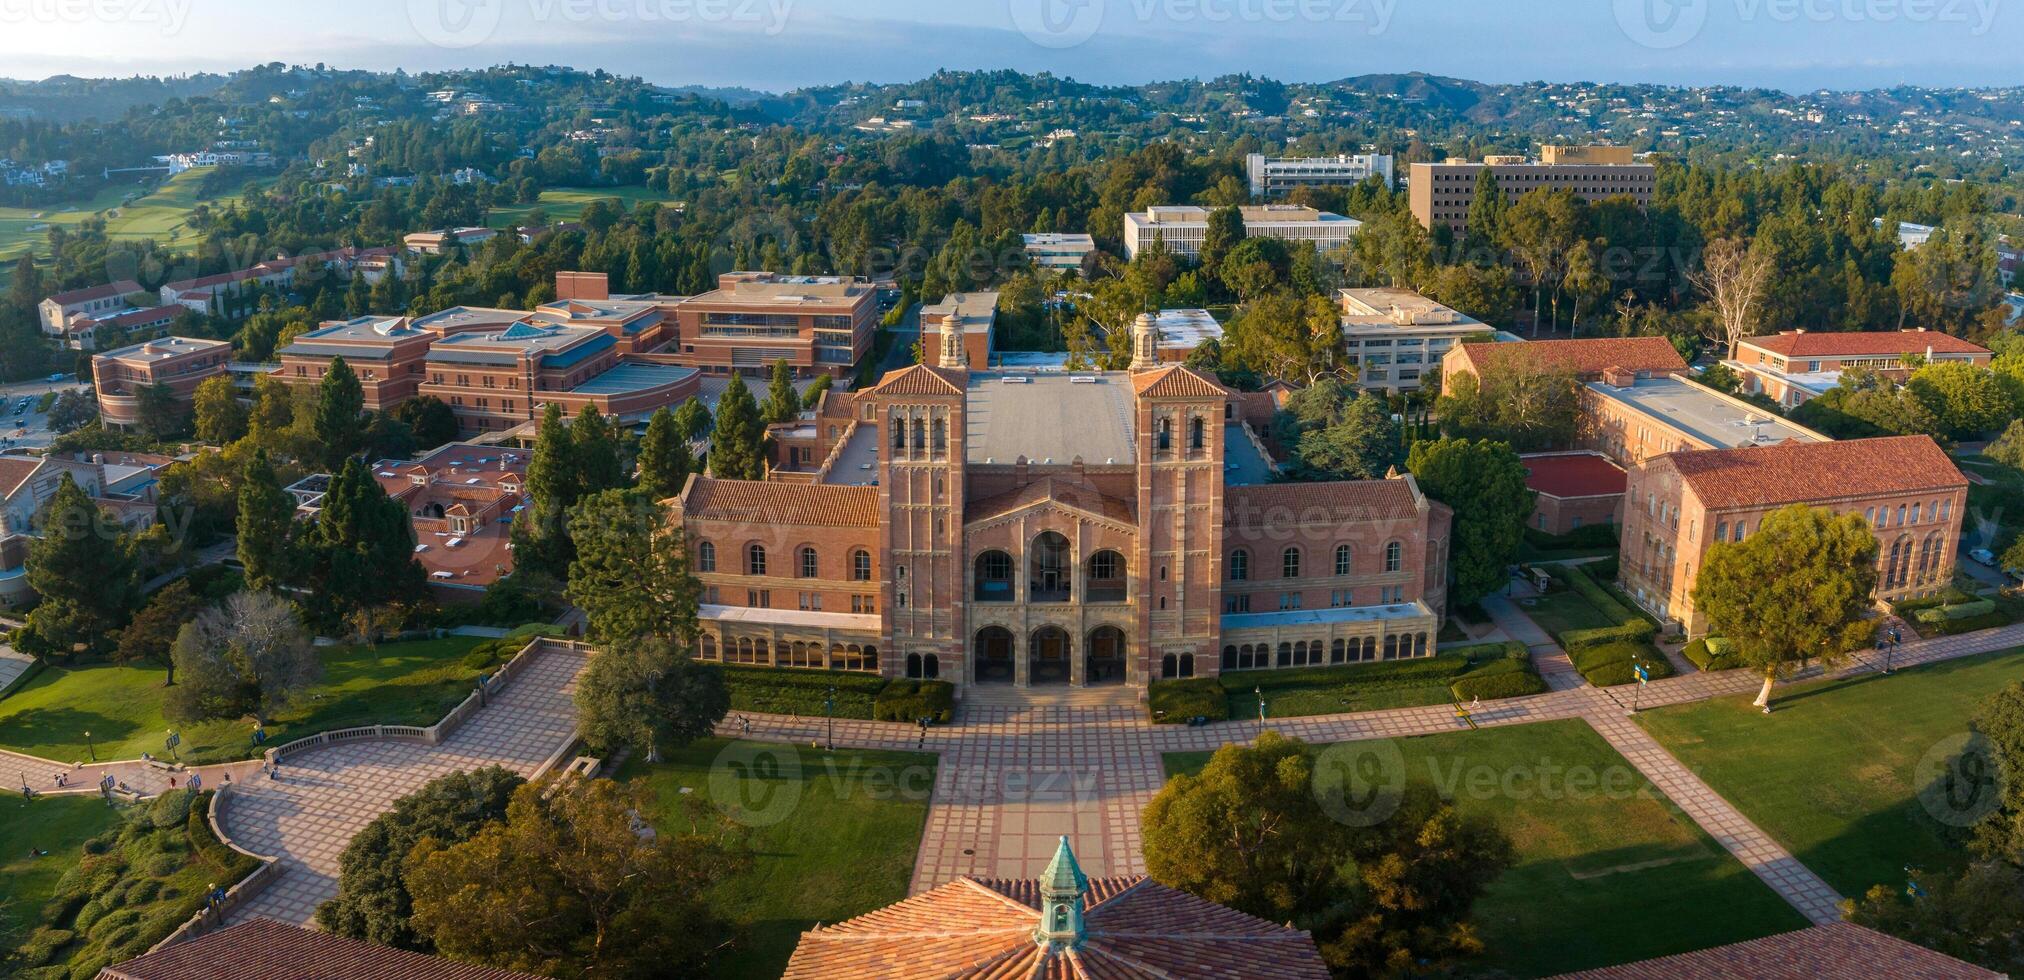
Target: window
1240,566
1196,439
706,557
860,565
1166,435
755,559
1915,513
759,598
1237,603
1289,601
1394,557
809,565
1342,559
1289,563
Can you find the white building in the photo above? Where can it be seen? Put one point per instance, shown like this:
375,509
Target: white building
1274,176
1182,227
1395,336
1057,251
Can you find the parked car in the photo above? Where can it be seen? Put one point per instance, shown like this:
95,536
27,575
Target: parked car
1983,556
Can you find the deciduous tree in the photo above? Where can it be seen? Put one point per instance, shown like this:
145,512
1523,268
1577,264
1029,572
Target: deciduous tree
220,419
249,655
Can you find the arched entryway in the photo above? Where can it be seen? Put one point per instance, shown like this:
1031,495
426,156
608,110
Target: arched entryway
994,656
1051,572
1047,657
1105,657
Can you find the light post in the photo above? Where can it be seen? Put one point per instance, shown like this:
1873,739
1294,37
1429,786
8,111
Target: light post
829,709
88,747
1260,692
1890,654
172,741
1644,676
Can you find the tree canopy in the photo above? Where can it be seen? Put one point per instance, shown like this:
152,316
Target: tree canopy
1484,483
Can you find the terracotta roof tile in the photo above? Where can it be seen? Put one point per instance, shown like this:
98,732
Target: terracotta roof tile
1573,474
262,949
1881,343
759,502
920,379
14,471
1586,358
1080,497
1176,382
1799,472
1268,505
1841,950
101,291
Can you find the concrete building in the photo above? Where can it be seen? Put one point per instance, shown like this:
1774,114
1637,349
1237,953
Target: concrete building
1795,366
1679,504
1396,336
1632,419
1057,251
1276,176
1440,193
443,242
1038,529
817,324
1181,331
86,331
55,312
179,364
1182,227
1575,490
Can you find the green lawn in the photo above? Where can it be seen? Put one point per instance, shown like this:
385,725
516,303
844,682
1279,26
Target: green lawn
1830,772
567,203
1608,870
1558,612
411,683
844,847
162,215
1298,692
57,824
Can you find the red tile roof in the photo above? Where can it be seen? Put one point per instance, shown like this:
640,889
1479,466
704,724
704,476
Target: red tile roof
759,502
1839,950
1801,472
1274,505
1573,474
1882,343
1083,498
1586,358
1176,382
262,949
14,471
103,291
920,379
1135,928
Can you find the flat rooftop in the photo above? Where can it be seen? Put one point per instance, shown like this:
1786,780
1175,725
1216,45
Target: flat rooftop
1047,238
164,348
627,378
1388,307
1704,414
1030,360
975,311
1323,617
1187,329
365,329
461,318
1243,464
857,464
1050,417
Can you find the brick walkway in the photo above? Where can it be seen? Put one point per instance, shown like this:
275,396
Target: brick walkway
327,794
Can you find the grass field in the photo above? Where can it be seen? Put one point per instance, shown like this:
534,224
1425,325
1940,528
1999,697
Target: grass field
1608,870
844,847
57,824
567,203
162,215
1830,772
397,684
1565,610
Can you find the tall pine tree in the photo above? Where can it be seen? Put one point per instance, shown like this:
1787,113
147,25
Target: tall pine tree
84,567
665,461
596,448
783,403
340,402
364,547
540,542
266,520
738,441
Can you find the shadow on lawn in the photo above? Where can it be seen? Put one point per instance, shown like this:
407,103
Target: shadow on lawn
44,726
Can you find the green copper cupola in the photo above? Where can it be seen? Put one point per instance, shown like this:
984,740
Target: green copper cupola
1062,887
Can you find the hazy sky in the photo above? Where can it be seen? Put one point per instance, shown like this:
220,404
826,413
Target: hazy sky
780,44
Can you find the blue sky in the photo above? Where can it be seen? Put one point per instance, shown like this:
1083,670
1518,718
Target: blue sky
779,44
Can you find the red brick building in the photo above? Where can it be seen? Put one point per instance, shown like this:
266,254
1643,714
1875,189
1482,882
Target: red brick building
752,319
1109,528
1644,357
1575,490
178,363
386,353
1797,365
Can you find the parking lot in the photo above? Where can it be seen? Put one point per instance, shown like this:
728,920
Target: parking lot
30,429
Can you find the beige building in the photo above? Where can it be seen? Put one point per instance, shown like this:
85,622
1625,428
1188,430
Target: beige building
817,324
1796,366
1396,337
1182,227
1678,505
973,315
1440,193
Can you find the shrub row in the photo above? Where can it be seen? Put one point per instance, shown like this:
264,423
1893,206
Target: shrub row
1950,595
1958,610
793,691
1175,702
1638,631
1506,677
1417,672
494,652
910,700
1610,664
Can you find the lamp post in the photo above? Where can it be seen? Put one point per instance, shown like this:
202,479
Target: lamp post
1260,692
88,747
1890,654
829,709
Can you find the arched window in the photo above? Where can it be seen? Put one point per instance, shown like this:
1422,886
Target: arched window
994,577
1394,556
1165,429
755,559
941,436
860,565
1240,565
1289,563
706,557
1342,559
808,563
920,435
899,433
1197,437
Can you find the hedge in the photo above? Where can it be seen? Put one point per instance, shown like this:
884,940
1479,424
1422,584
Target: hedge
1639,631
1947,596
1611,664
1958,610
1507,677
1950,627
1412,672
796,691
1713,653
910,700
1175,702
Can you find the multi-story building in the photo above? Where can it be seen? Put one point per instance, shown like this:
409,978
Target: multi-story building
461,499
87,330
974,314
499,378
817,324
123,490
1796,366
1586,359
442,242
1440,193
179,364
385,352
1275,176
1632,418
1396,337
1573,490
1091,529
56,312
203,293
1181,331
1057,251
1182,227
1678,505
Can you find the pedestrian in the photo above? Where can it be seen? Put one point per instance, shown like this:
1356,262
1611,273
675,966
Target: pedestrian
172,782
744,725
228,775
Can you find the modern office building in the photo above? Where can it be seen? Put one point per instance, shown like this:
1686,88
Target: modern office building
1182,227
1275,176
1396,337
1796,366
1057,251
497,379
1105,528
385,353
1440,193
817,324
178,364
